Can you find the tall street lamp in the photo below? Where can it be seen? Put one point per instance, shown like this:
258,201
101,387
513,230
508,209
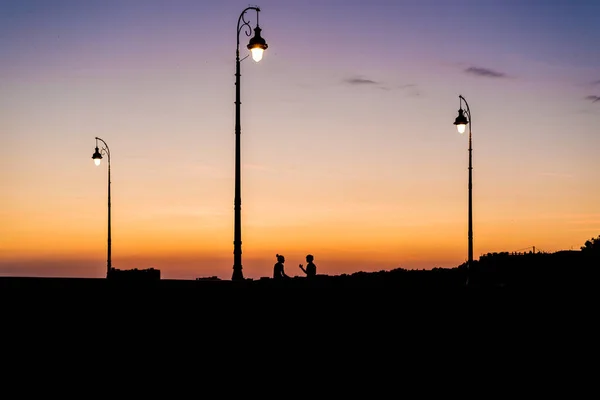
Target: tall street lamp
256,46
461,123
97,157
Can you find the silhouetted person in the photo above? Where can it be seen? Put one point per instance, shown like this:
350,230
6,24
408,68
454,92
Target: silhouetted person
311,268
278,272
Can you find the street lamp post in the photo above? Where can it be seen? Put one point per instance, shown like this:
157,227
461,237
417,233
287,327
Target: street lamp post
97,156
461,122
256,46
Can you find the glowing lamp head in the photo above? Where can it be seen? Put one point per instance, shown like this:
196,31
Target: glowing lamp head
97,156
257,54
257,45
461,121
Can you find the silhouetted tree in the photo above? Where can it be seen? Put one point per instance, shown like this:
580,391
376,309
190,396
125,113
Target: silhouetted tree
592,246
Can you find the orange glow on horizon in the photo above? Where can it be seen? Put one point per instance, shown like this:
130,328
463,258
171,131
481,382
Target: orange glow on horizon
353,159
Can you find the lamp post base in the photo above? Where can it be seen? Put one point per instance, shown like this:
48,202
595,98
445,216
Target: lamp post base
237,275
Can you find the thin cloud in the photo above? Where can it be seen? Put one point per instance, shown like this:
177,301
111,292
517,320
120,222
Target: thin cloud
411,90
360,81
593,99
595,83
485,72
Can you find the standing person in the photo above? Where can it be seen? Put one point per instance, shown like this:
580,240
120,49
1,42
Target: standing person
278,272
311,268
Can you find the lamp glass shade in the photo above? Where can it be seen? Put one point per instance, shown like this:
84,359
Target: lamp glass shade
257,53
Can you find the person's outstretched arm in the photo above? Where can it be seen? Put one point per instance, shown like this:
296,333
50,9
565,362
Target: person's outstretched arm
302,268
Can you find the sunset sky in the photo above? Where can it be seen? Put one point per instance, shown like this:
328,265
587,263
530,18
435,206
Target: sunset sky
348,147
